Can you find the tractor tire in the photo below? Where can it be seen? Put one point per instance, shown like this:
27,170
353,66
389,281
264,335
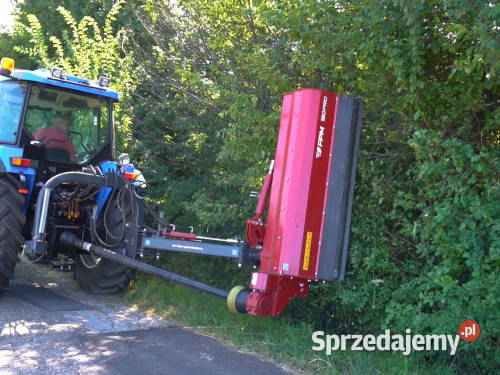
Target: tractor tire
12,221
102,276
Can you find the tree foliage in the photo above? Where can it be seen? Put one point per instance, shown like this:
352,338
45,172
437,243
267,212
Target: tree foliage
204,81
425,240
86,49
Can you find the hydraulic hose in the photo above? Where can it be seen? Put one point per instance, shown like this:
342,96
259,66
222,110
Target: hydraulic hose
43,200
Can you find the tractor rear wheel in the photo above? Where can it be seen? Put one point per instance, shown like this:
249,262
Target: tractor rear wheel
102,276
11,225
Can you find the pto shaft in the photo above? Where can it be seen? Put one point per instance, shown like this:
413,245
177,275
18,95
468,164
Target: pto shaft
71,239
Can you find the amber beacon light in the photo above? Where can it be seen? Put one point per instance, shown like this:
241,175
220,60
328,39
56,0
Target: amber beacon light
7,66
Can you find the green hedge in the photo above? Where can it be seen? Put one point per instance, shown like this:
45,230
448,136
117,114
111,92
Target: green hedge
425,243
205,96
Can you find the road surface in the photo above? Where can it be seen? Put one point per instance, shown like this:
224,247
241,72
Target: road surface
49,327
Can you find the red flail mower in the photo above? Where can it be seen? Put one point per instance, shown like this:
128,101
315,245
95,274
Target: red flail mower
300,232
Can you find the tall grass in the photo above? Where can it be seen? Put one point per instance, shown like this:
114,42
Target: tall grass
275,338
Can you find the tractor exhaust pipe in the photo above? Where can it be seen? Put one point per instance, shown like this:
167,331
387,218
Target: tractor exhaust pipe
71,239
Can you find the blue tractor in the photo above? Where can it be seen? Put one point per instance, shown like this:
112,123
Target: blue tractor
58,172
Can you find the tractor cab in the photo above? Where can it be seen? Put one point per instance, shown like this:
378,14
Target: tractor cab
55,118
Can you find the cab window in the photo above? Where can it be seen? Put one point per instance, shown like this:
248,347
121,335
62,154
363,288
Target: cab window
72,127
12,94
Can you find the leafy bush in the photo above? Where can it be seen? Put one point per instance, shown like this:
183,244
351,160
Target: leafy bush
454,223
205,96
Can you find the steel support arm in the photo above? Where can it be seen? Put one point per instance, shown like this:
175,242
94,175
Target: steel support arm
226,250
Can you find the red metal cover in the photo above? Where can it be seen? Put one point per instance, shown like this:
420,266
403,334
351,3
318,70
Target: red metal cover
307,231
297,201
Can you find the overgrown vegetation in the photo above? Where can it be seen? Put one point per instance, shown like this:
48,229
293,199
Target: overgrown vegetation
277,339
203,83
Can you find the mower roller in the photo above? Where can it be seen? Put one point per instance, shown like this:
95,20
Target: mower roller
67,196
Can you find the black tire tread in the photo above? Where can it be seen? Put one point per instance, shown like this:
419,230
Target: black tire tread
12,220
107,277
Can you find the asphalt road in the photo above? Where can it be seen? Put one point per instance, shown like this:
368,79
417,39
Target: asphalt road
48,326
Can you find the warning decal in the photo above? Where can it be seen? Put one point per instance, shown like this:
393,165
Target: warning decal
307,251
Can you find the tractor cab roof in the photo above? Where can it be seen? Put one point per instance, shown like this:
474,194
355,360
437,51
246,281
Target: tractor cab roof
58,79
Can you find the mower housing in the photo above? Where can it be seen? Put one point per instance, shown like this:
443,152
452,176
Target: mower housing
307,229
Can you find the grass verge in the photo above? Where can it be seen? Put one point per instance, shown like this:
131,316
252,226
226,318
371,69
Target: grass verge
274,338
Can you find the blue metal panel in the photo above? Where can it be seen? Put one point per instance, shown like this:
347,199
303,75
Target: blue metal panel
7,152
103,195
72,83
192,247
